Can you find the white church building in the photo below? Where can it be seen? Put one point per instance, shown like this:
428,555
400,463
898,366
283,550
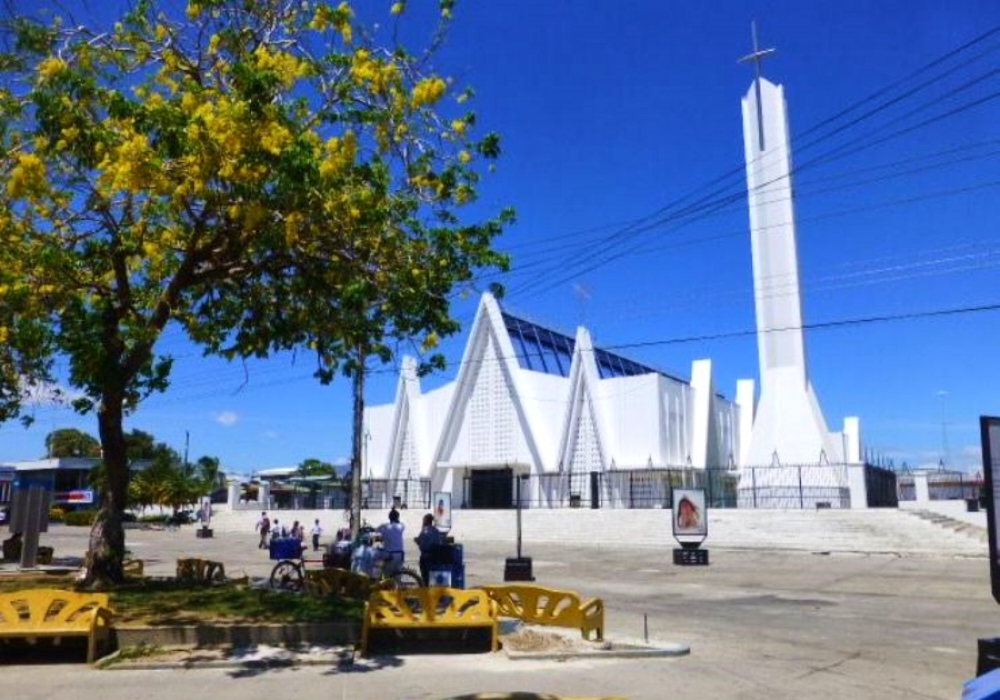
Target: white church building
589,427
529,401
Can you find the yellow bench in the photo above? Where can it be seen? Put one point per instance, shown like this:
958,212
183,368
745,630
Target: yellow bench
133,567
12,551
437,607
538,605
46,612
200,570
342,583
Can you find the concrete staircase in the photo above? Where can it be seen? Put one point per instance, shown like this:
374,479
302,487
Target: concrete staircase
946,521
863,531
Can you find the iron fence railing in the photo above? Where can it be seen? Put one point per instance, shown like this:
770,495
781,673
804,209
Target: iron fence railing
941,486
795,486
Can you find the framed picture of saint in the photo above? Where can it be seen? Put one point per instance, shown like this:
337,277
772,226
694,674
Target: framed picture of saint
441,505
689,514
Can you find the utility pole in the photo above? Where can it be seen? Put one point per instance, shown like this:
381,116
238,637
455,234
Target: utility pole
357,435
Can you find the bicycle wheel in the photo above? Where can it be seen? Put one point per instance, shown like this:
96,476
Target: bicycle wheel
286,576
406,578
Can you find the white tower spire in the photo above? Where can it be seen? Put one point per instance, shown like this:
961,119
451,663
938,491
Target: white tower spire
788,425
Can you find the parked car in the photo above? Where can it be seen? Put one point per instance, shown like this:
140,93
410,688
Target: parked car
4,515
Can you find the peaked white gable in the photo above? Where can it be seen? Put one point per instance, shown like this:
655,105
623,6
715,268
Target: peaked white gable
404,448
583,435
486,423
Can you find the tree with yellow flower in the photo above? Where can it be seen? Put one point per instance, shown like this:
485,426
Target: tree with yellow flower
262,175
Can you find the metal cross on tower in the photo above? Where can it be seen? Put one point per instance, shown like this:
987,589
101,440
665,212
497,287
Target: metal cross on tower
757,56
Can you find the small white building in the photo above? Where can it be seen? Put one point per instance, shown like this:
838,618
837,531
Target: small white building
575,418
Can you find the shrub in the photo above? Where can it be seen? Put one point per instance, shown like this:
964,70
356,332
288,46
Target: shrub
80,517
56,514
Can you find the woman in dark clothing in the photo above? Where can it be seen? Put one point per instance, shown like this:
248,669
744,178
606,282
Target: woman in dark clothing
429,537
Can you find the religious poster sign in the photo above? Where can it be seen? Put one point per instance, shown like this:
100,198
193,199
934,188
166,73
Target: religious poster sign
442,510
205,510
689,514
990,434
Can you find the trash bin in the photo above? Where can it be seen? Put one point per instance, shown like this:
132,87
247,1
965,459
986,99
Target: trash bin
442,564
972,505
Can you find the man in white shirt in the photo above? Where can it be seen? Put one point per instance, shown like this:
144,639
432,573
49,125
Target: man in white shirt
392,542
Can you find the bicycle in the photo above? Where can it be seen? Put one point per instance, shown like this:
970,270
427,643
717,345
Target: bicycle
290,574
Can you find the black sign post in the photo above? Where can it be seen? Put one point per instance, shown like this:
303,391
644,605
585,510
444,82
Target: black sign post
518,568
990,432
989,429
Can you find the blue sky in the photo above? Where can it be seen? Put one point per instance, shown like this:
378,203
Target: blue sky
612,112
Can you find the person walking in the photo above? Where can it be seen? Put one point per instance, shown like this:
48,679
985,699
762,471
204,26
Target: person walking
263,527
317,530
428,538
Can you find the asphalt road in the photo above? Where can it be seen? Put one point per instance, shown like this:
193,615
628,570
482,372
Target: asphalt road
760,624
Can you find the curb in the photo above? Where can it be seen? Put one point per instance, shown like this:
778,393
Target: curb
239,636
624,651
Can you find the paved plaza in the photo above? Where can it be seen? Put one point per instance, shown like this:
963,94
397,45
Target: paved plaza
760,623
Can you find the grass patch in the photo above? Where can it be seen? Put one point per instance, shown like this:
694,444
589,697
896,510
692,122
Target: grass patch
164,602
23,581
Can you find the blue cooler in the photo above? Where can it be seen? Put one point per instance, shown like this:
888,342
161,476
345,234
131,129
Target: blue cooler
285,548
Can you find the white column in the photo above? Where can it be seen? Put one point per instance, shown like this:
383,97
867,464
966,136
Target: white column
745,400
232,495
857,485
701,384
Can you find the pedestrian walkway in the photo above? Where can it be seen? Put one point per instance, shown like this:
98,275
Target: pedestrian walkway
887,530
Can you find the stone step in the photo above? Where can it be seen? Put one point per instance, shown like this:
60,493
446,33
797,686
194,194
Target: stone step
877,530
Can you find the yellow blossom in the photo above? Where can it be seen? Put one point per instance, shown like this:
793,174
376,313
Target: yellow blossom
50,67
428,91
27,177
397,8
459,126
464,157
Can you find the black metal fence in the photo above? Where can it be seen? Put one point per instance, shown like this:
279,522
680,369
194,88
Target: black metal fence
794,486
375,493
949,486
880,484
401,493
942,485
784,486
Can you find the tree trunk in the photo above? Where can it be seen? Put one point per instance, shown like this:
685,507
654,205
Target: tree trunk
107,536
356,438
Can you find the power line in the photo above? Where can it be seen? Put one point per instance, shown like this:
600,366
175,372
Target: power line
714,200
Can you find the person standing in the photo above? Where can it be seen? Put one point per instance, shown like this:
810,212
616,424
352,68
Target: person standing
392,542
263,527
317,530
428,538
